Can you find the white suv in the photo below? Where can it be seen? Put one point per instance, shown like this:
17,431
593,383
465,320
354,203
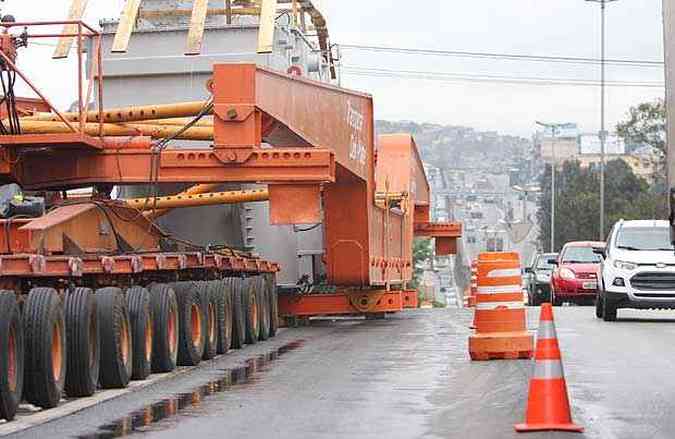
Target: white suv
638,270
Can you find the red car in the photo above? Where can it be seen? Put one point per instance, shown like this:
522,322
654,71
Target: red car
575,278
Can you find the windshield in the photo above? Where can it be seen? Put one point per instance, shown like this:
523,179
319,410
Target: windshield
542,262
644,238
580,255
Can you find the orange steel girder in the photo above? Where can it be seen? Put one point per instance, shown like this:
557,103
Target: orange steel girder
310,141
118,165
341,303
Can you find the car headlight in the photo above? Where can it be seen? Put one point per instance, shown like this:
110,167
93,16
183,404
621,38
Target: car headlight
566,273
623,265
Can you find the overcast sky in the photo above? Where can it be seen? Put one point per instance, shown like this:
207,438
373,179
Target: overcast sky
532,27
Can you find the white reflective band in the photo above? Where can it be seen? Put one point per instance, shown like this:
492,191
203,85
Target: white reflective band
548,369
501,289
495,305
504,272
546,330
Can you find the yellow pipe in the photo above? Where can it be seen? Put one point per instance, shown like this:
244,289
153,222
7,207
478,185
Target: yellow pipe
113,130
178,121
129,114
194,190
205,199
188,12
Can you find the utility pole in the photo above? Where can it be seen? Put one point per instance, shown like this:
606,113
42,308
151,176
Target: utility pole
669,28
603,131
554,127
553,166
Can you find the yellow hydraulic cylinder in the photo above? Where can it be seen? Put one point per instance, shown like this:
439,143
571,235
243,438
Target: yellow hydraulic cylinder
205,199
129,114
114,130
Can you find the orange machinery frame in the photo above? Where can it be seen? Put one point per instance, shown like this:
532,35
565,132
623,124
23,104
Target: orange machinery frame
313,143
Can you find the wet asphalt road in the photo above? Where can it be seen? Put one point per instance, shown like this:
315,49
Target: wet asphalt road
405,377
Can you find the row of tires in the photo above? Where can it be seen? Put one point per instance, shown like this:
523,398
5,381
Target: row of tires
71,344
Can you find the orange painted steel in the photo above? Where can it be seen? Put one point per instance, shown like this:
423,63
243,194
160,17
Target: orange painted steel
40,266
410,299
118,165
548,406
251,105
313,143
500,317
25,106
340,303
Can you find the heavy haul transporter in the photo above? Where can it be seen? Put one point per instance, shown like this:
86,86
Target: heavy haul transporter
96,292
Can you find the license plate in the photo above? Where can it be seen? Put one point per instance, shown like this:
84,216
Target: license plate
590,285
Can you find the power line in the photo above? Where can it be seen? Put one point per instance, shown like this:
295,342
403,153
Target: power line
451,77
504,56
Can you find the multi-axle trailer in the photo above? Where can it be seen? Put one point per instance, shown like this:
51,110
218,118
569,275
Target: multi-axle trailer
95,292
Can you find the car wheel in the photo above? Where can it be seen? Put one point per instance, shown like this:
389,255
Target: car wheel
536,301
554,300
599,306
608,310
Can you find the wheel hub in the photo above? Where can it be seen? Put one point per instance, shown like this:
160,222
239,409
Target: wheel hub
57,351
196,319
11,359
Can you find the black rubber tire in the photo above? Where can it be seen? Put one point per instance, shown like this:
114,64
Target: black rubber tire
599,306
221,291
116,346
554,300
271,285
165,328
608,310
238,322
263,308
11,339
45,341
190,310
142,325
210,314
83,341
251,310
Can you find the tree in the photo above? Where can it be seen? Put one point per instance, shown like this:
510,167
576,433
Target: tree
578,201
422,252
646,124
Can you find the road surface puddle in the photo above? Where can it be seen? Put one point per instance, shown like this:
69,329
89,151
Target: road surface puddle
140,420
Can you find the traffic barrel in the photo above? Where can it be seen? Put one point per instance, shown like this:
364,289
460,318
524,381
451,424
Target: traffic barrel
548,407
500,316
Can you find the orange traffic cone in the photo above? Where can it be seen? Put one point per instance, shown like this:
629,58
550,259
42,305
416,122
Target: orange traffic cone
548,406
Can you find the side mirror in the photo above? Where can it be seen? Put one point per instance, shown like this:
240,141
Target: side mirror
602,251
553,261
529,270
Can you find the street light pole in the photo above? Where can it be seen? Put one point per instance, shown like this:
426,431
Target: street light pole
554,131
603,132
